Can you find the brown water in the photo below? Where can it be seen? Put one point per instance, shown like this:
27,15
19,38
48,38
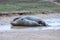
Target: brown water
54,23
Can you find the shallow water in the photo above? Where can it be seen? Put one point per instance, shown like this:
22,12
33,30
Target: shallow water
53,24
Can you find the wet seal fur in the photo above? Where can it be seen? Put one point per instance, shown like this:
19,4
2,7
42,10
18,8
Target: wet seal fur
28,21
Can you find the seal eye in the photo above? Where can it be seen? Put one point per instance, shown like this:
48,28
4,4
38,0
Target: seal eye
40,22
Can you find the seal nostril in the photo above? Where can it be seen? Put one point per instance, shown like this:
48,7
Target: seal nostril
44,24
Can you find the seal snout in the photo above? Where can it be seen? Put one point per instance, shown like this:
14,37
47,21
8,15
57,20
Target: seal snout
42,23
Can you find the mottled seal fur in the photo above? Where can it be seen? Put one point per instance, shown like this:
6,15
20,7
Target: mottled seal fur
28,21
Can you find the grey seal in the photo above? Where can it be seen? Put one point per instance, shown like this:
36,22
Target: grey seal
28,21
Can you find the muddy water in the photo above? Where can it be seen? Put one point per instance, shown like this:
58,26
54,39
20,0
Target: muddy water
53,23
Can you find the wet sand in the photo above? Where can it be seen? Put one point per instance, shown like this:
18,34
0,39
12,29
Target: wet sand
29,33
24,34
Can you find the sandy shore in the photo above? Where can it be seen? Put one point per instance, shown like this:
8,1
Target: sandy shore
30,35
26,34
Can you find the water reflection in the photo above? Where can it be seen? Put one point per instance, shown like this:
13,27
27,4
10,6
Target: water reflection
53,24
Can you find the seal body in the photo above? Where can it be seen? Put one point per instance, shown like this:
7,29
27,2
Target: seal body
28,21
32,18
